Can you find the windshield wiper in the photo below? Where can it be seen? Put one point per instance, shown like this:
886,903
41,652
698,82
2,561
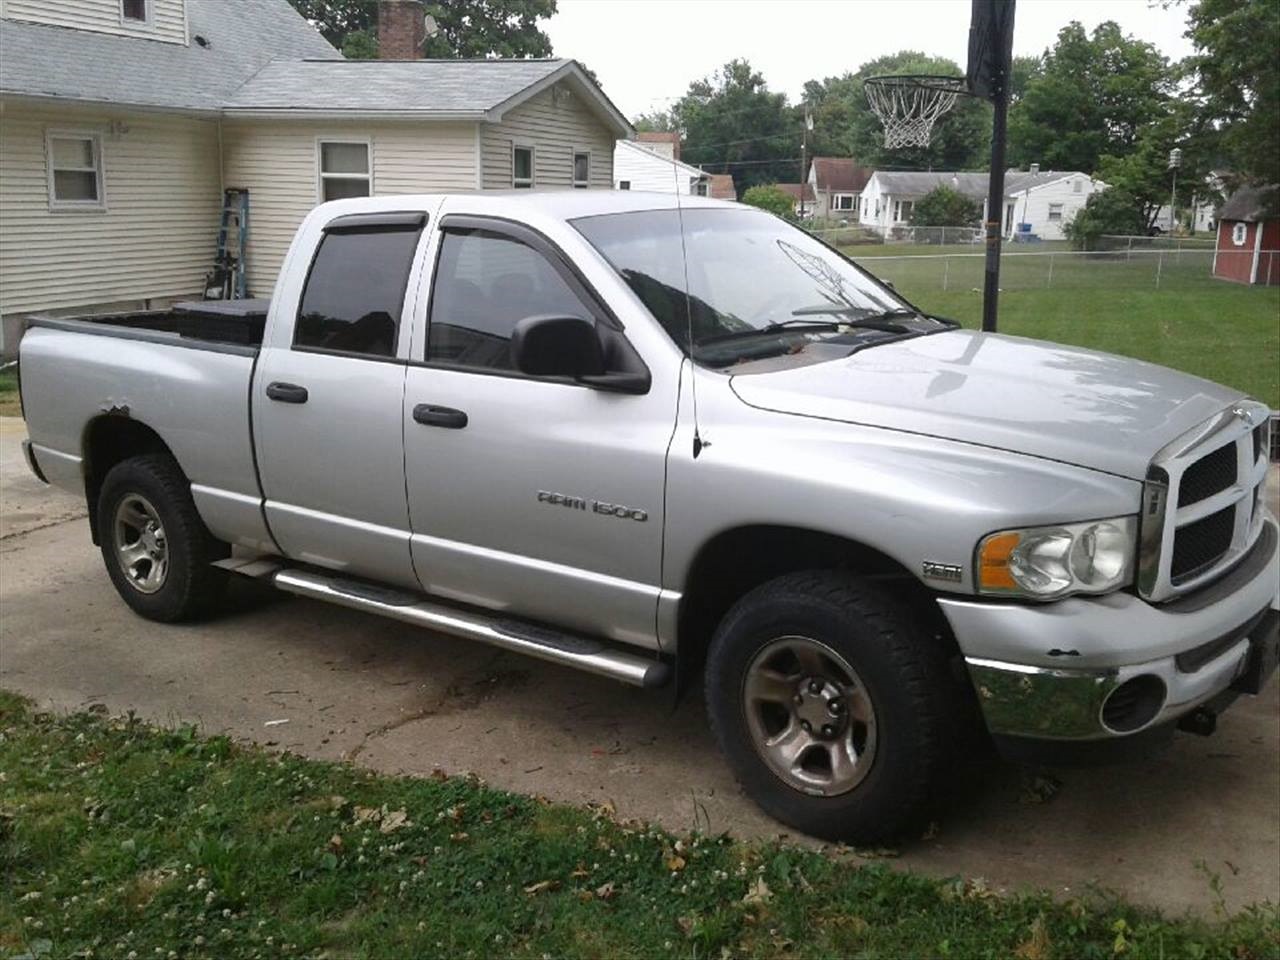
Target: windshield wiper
876,322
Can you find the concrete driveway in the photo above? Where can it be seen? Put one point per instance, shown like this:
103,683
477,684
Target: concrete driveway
397,699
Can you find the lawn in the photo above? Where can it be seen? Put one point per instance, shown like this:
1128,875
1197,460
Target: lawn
121,840
9,406
1166,309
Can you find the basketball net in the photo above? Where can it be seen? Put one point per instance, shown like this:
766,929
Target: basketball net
909,106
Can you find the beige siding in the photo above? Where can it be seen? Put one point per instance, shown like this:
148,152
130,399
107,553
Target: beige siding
155,239
555,131
276,160
168,17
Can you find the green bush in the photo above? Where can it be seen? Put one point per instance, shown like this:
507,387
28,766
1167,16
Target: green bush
769,197
1114,211
944,207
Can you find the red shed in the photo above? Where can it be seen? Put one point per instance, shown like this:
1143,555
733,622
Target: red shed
1248,247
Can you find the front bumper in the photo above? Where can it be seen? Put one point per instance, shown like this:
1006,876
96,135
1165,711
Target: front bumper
1106,668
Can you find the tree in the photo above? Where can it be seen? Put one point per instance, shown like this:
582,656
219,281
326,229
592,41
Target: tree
1092,96
733,123
478,28
1237,76
1111,211
769,197
944,207
845,126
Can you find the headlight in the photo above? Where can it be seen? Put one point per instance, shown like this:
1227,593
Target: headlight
1050,562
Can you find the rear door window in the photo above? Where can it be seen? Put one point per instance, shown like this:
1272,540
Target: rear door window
486,283
355,290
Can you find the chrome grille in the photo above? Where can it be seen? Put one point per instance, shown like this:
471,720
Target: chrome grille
1201,506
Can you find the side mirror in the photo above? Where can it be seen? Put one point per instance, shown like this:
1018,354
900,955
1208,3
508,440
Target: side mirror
550,346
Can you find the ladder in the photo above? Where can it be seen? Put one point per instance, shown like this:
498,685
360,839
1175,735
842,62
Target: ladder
227,281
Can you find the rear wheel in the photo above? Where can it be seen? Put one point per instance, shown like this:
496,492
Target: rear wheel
157,550
832,706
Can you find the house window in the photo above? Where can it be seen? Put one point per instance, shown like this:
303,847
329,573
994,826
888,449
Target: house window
135,11
700,188
1239,233
344,170
581,171
842,201
1077,185
1055,212
624,184
522,167
75,170
902,210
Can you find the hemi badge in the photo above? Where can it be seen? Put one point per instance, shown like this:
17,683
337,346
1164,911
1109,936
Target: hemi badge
951,572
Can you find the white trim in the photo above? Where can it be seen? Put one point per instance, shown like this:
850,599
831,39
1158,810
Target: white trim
479,161
570,70
354,113
533,166
634,146
1257,250
573,172
321,176
99,168
148,21
835,201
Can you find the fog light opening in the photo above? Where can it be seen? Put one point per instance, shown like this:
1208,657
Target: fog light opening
1133,704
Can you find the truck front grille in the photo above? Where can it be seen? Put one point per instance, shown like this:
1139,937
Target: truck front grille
1199,545
1201,506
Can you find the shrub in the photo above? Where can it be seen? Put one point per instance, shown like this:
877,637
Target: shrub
770,198
944,207
1114,210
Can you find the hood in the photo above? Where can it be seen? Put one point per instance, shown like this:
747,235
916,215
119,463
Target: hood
1062,403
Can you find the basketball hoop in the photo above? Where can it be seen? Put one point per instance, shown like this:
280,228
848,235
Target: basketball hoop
908,105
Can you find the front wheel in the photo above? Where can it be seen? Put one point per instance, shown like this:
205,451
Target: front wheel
832,706
157,550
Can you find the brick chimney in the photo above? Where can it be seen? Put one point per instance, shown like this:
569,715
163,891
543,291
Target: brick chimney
401,29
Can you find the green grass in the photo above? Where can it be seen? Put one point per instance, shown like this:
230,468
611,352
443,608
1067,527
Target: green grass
1224,331
121,840
9,406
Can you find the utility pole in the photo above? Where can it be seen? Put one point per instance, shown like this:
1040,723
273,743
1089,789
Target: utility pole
1175,161
995,199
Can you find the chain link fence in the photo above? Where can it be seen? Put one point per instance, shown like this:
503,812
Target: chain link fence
854,234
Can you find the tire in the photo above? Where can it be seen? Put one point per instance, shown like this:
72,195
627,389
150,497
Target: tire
145,507
870,774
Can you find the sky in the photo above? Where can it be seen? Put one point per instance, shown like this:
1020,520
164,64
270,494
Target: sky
646,52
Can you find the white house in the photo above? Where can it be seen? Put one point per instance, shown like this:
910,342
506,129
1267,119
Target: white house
636,166
122,121
1037,203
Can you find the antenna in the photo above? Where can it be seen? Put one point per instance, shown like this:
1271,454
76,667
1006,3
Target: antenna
698,443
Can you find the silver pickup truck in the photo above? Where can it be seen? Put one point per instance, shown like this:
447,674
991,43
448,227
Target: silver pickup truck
669,443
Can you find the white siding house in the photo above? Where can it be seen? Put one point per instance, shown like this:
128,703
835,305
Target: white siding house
1038,204
122,121
637,167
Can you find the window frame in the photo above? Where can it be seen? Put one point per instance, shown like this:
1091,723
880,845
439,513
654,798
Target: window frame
148,17
624,184
99,170
1055,213
519,184
540,243
836,204
901,207
577,184
391,221
321,176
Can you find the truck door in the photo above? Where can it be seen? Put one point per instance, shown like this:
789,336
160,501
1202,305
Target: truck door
541,497
327,402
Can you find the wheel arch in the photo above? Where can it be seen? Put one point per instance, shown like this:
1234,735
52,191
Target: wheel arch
108,440
735,561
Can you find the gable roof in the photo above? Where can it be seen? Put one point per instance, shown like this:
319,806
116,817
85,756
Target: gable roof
1249,203
793,190
722,187
968,183
839,174
649,156
436,89
60,63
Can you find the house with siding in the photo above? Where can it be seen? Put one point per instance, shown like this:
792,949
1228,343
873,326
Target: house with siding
837,184
638,167
1036,203
122,121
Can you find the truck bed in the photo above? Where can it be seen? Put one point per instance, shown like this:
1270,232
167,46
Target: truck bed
238,323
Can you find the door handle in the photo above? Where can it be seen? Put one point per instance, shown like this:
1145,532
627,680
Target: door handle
287,392
433,416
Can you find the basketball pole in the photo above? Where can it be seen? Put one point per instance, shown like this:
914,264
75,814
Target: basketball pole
995,201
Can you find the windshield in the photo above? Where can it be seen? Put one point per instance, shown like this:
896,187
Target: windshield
756,285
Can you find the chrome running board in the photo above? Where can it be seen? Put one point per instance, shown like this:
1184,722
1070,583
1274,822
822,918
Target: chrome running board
584,653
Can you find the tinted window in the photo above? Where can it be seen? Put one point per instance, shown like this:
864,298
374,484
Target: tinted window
485,284
355,291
